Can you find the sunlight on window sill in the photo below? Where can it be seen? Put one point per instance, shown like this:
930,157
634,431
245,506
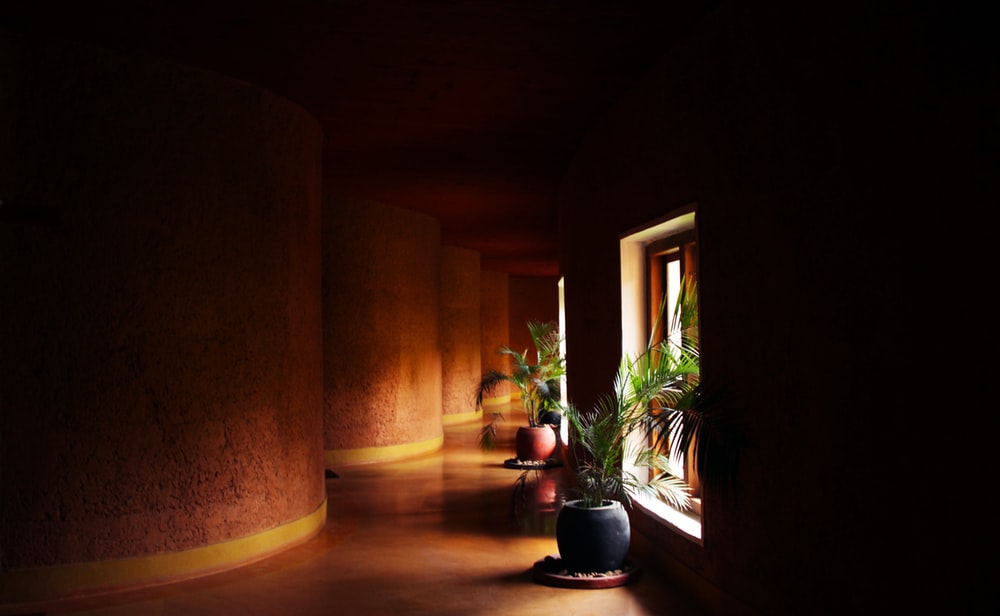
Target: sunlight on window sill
687,524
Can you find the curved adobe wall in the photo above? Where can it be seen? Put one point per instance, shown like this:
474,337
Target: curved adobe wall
161,372
381,335
531,298
495,328
461,362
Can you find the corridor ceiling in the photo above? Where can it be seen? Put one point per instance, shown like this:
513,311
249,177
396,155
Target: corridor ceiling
467,110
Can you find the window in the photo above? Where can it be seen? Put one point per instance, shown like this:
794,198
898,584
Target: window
670,262
655,262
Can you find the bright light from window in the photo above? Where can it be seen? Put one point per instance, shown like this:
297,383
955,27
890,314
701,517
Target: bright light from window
563,425
635,325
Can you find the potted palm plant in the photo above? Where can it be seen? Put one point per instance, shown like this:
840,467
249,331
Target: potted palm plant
538,381
629,425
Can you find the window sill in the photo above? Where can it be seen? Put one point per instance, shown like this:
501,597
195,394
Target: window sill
686,524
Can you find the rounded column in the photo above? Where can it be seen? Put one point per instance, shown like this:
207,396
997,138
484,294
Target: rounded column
461,360
381,335
160,373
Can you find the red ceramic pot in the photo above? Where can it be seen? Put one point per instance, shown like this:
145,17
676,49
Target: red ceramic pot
533,444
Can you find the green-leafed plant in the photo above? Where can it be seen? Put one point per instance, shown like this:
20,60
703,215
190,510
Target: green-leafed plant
650,391
693,419
538,381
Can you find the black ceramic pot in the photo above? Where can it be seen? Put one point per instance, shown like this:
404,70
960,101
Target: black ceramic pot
593,539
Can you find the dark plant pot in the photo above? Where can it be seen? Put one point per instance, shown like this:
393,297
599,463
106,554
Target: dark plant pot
535,443
593,539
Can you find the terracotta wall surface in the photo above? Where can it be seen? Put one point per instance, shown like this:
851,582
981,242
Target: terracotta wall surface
382,331
159,264
531,298
494,323
797,137
461,360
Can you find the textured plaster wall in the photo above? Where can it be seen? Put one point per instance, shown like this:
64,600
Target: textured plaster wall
382,332
461,359
494,323
804,139
160,370
531,298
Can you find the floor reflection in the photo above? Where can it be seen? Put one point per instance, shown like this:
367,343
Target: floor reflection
535,500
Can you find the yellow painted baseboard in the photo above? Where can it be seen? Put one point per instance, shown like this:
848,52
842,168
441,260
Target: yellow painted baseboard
364,455
38,584
460,418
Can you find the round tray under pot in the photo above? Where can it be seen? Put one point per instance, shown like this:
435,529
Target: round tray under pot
550,572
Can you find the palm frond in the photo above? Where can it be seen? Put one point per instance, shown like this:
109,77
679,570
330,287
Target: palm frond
544,335
488,383
671,489
521,371
700,423
488,435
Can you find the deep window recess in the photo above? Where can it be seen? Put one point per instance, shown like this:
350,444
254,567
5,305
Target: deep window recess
656,261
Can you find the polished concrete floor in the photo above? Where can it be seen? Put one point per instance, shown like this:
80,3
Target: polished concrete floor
452,533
